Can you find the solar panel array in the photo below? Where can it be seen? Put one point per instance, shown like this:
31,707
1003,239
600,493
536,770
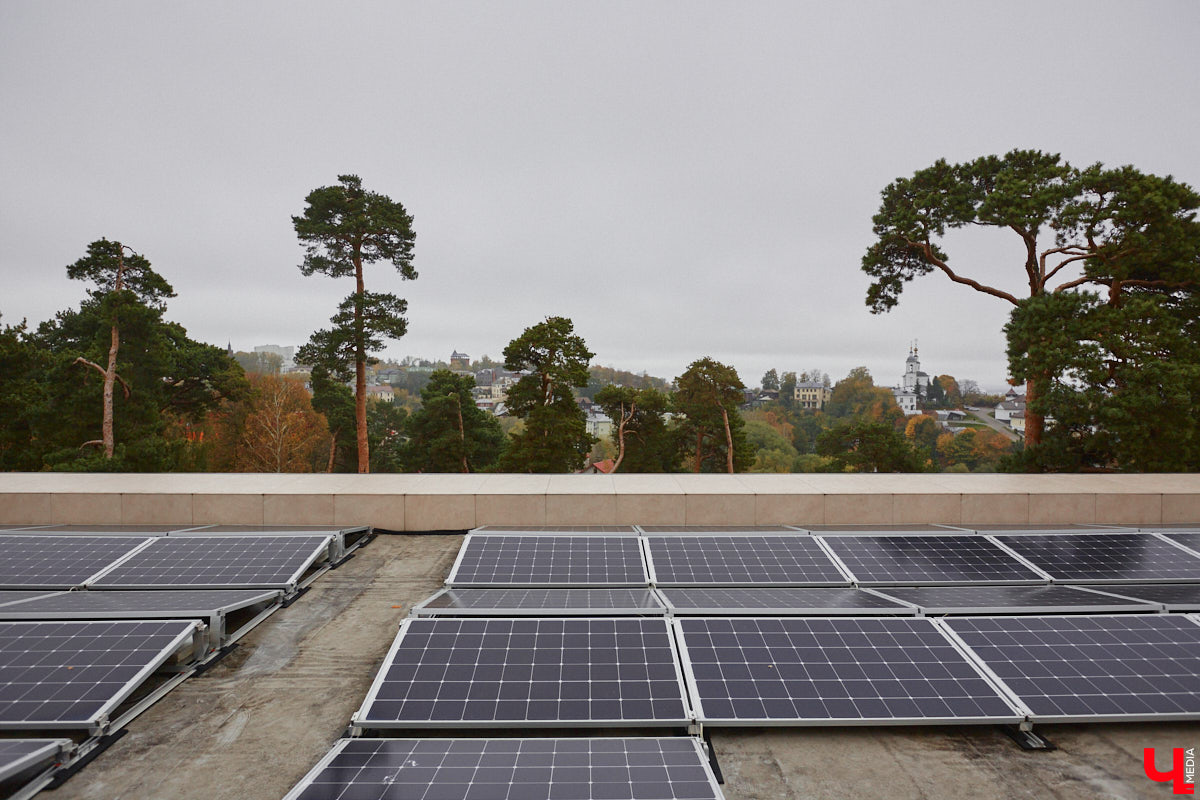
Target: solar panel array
715,559
49,561
217,562
1171,596
779,600
548,560
1011,599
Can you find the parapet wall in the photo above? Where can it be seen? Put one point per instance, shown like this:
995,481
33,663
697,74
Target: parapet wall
456,502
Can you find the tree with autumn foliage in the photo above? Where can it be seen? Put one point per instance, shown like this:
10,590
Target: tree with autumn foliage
1118,232
343,228
282,432
856,396
864,445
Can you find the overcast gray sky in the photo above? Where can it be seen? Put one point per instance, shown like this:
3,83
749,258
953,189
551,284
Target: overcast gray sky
681,179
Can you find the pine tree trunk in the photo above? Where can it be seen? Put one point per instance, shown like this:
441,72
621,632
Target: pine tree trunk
332,451
462,434
360,373
699,446
1035,423
728,441
110,374
621,437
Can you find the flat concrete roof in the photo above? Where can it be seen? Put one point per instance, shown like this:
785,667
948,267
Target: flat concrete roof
255,723
462,502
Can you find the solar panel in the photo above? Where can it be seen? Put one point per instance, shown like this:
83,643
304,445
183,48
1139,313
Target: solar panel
25,755
840,670
445,672
881,529
92,529
779,600
72,675
512,769
1190,539
217,562
1011,600
1169,596
160,604
538,601
917,559
614,529
714,559
549,560
1073,668
50,561
1106,557
653,529
16,596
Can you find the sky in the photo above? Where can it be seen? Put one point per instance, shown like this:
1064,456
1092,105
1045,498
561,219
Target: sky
680,179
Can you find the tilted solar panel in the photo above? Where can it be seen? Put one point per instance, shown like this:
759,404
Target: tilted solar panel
1104,557
217,562
59,561
714,559
549,560
512,769
789,600
22,755
69,675
936,559
444,672
150,604
817,671
1171,596
1010,600
16,596
540,601
1073,668
1190,539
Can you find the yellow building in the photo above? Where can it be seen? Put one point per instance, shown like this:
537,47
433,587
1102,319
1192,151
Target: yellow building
811,394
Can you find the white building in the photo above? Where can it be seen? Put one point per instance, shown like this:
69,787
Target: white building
288,354
914,385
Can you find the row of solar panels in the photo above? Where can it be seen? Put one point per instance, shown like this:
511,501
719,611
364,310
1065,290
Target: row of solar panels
810,601
791,559
88,660
636,671
631,530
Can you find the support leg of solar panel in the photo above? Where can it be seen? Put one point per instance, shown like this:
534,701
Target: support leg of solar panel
837,562
662,598
647,560
994,540
458,559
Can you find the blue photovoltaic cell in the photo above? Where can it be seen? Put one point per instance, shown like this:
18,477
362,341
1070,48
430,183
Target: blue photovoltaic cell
512,769
752,670
217,561
1093,667
714,559
1010,599
1189,539
446,671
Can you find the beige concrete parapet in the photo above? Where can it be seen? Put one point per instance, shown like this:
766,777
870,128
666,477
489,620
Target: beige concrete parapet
456,502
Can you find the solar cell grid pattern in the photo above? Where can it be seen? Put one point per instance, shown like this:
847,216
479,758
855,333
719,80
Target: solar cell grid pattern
549,600
151,603
70,671
513,769
1092,667
976,598
17,755
928,559
256,560
1175,596
715,599
714,559
847,668
549,560
717,529
628,529
449,670
46,560
1190,540
1106,556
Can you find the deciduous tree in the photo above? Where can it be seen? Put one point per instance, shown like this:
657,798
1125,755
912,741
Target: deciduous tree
343,228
